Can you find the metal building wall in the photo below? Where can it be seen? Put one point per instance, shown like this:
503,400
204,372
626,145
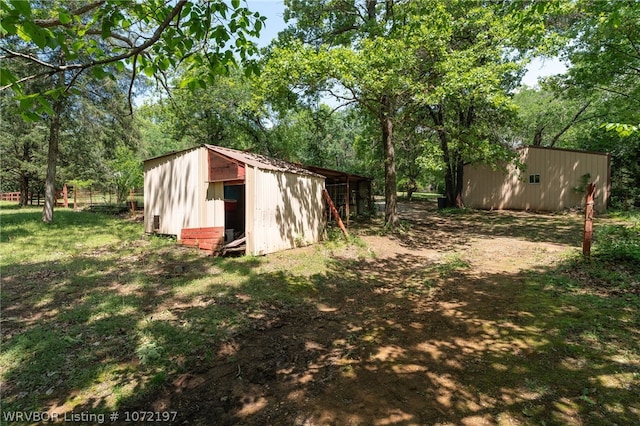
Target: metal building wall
171,186
176,190
284,210
559,171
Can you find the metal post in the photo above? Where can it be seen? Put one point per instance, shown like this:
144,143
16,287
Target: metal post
347,201
588,220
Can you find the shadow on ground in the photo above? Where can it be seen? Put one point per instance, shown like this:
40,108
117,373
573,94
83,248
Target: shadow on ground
369,341
374,348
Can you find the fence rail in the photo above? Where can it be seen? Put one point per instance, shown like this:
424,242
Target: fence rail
10,196
80,198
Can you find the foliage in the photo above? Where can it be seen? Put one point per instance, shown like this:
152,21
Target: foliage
126,172
465,100
23,152
109,37
606,61
359,54
67,42
547,116
622,129
618,244
218,114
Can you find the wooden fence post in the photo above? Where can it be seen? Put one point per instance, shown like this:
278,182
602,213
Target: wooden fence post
588,220
133,201
65,196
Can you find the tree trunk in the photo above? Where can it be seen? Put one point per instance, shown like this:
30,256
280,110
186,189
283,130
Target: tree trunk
449,186
391,218
537,137
459,173
453,175
52,159
24,189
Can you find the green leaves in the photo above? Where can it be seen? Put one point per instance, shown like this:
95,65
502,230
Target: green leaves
177,34
624,130
22,7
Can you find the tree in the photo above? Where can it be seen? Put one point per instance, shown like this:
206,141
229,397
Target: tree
548,117
126,172
605,58
67,40
23,149
361,53
468,88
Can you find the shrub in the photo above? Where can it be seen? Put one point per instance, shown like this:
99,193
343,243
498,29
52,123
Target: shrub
618,243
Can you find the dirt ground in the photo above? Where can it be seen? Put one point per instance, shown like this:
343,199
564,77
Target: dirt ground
404,336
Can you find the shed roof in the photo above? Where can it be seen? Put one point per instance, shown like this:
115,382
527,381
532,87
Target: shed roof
336,175
261,161
255,160
553,148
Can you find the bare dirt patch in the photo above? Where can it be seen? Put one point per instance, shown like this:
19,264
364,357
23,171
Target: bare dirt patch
463,318
427,330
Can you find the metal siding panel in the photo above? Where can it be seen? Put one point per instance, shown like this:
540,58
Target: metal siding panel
560,172
288,211
213,205
250,199
171,191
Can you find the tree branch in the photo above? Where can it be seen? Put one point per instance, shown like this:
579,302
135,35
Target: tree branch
54,22
27,78
114,35
29,58
154,38
133,77
132,52
569,124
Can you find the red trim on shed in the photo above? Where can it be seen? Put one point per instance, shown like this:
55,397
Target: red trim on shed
209,239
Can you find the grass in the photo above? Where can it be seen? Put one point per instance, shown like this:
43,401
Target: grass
420,196
96,316
87,307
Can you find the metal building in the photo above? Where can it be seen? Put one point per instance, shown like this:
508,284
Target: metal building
551,179
210,195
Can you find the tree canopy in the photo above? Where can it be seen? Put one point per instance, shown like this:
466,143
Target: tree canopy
66,42
408,92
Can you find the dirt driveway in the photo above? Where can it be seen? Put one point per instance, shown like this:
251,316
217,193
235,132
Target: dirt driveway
429,329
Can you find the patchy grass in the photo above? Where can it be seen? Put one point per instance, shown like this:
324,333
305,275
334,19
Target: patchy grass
435,326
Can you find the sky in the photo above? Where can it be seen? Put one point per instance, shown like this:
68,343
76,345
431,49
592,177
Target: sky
273,10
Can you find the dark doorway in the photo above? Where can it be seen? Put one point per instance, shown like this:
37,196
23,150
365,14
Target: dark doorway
234,212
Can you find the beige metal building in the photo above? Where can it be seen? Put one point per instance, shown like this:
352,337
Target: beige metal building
551,179
207,192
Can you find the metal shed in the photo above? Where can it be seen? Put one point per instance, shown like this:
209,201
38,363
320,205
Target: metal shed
551,180
350,193
208,195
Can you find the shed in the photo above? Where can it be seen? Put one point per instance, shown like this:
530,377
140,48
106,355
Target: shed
350,193
550,179
209,194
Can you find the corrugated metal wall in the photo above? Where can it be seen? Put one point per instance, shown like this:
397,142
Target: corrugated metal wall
547,183
175,190
171,186
284,210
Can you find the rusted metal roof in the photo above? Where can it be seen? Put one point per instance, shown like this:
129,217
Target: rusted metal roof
333,176
261,161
